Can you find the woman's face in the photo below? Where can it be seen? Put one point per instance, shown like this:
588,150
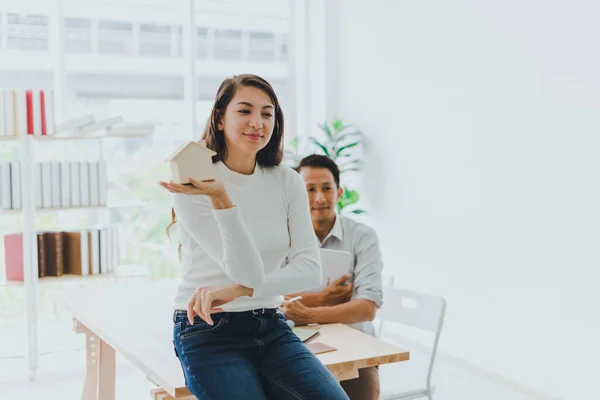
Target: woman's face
248,121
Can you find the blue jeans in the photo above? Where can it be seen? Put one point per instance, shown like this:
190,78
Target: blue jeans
250,355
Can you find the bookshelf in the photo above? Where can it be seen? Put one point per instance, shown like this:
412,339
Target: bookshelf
28,217
114,206
75,137
124,272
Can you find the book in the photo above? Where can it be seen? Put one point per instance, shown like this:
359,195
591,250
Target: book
29,111
6,187
94,184
41,255
20,112
9,112
3,131
13,257
75,182
15,184
55,183
49,112
53,253
102,183
320,348
37,184
36,112
46,171
94,251
65,184
76,258
84,183
305,334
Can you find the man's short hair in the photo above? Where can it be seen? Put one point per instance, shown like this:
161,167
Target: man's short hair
320,161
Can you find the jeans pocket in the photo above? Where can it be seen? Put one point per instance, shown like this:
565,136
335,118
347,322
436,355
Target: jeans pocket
199,328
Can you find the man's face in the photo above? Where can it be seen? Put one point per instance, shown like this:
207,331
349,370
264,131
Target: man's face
323,193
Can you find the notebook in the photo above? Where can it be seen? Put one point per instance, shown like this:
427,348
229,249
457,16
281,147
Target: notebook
305,334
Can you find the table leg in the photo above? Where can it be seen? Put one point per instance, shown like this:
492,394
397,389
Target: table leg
160,394
100,366
106,372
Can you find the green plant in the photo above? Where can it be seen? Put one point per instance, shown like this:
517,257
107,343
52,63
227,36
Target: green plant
344,145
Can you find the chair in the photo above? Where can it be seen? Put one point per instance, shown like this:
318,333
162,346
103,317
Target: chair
387,281
417,310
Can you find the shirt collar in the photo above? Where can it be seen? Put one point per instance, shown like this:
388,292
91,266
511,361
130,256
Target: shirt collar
336,230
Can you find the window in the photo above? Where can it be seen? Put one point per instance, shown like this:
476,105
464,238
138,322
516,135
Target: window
155,40
261,46
202,42
228,45
283,49
115,37
27,32
78,35
178,42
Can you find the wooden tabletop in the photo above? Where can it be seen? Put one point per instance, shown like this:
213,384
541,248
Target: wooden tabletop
136,320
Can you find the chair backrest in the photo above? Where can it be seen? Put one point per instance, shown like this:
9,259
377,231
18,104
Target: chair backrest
413,309
387,280
417,310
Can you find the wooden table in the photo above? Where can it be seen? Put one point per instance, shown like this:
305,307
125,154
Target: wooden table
135,320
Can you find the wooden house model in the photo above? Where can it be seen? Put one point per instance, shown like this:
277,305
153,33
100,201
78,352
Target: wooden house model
193,159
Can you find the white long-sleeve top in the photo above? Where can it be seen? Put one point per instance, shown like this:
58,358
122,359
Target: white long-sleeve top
247,243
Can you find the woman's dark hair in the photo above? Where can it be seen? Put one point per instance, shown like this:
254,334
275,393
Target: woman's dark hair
269,156
272,153
319,161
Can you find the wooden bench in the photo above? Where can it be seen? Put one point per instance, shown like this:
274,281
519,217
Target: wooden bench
135,320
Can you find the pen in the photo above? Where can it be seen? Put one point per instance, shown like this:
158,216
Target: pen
294,299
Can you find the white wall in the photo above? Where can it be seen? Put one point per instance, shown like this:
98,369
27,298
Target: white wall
483,180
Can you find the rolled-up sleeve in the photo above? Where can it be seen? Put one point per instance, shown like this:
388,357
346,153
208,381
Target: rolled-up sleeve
368,269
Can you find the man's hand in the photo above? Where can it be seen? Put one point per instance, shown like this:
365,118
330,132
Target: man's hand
207,300
295,311
338,292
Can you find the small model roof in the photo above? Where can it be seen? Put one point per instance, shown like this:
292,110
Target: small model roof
200,145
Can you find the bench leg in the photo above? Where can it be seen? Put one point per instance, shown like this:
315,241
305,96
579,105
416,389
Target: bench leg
100,366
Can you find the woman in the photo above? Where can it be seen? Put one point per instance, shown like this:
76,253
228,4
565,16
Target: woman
234,233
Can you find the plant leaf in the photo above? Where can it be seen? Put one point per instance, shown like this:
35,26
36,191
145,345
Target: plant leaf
326,129
348,146
320,145
337,124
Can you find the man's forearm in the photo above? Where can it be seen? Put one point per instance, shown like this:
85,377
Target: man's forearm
351,312
309,299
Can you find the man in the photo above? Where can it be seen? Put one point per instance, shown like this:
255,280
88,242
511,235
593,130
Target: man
354,298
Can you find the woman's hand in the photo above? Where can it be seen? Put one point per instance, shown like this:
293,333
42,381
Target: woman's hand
213,188
207,300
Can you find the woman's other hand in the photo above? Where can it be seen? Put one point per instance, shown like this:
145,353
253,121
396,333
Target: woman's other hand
207,300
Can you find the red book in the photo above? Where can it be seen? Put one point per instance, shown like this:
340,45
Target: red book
13,255
29,97
43,111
